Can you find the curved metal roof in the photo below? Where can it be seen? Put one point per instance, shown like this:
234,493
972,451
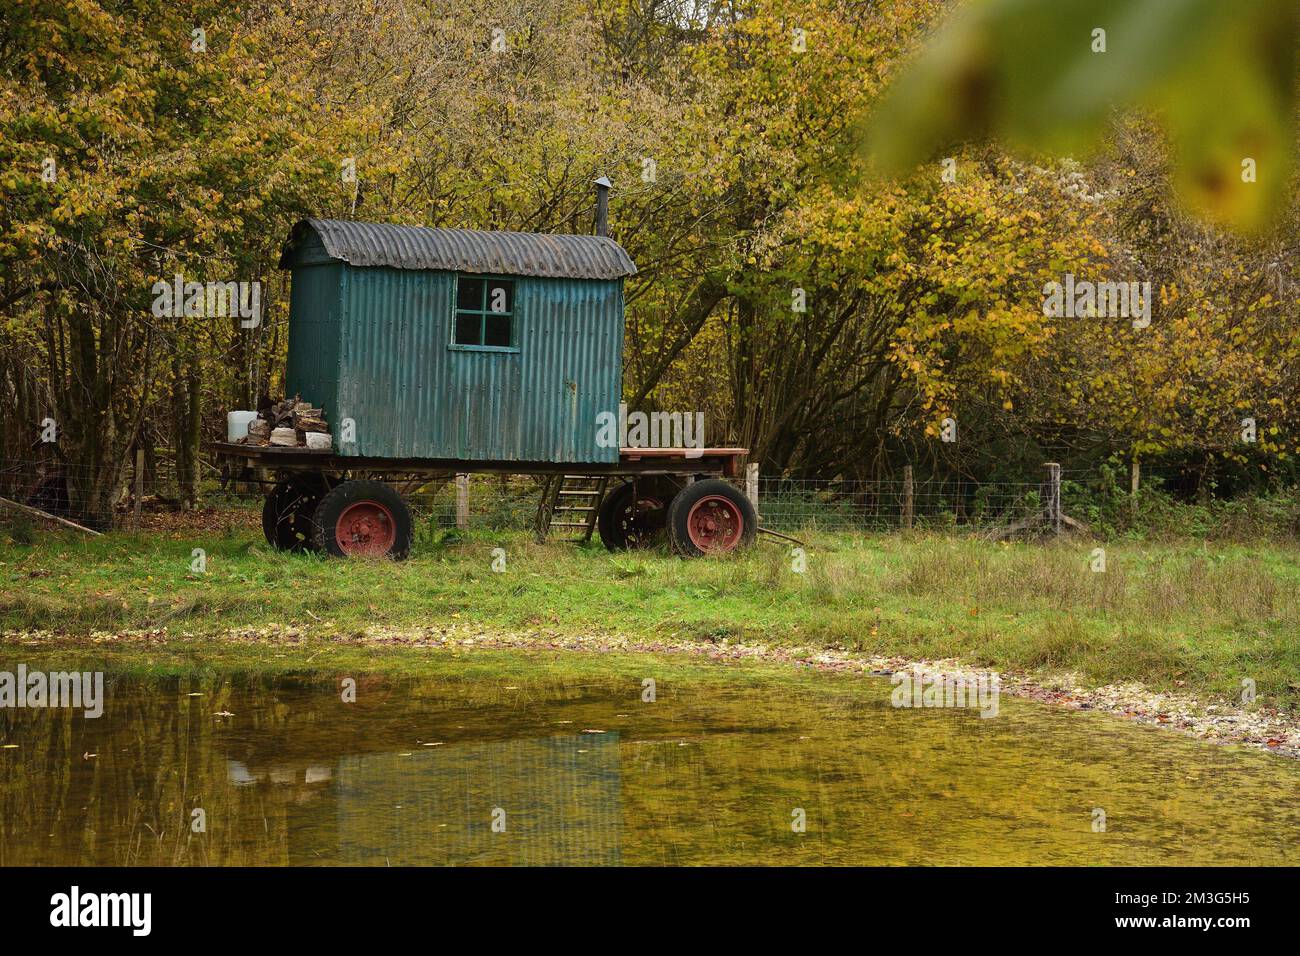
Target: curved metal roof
464,250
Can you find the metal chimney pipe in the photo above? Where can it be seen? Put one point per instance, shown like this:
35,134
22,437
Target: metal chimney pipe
602,206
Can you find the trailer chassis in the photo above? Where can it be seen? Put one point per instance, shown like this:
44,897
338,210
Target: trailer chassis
352,506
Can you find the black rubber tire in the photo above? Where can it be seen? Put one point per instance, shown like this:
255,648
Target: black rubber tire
609,521
692,494
350,492
270,518
288,515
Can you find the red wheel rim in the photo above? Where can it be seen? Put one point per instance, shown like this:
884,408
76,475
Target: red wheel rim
366,529
715,524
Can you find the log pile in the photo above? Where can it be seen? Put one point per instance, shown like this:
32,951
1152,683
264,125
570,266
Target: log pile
291,423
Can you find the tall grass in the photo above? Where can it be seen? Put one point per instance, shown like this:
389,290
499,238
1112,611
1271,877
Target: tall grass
1193,614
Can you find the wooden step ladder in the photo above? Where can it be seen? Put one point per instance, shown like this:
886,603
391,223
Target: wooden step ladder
571,503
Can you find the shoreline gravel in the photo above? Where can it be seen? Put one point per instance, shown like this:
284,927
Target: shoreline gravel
1219,720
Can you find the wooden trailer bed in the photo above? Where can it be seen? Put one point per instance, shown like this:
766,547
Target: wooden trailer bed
631,461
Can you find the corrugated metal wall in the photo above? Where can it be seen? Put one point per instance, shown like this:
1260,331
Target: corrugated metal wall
413,397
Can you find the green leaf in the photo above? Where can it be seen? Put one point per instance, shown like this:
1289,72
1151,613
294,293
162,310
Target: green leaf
1222,76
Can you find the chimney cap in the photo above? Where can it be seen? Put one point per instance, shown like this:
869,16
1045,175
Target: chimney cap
603,181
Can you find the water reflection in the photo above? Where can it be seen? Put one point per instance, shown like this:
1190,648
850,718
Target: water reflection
546,801
456,770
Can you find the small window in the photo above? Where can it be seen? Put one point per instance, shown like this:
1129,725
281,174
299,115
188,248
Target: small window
485,310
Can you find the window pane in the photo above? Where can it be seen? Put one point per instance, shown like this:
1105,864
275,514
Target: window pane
498,330
467,328
500,296
469,293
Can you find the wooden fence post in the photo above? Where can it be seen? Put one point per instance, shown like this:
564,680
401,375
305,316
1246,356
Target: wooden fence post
751,484
909,504
1054,495
462,502
139,488
1135,480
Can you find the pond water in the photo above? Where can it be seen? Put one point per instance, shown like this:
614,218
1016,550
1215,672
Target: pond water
551,764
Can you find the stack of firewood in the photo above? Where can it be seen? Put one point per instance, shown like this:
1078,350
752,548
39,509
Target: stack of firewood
291,423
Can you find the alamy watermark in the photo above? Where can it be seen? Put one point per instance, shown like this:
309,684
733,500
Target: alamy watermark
178,298
919,689
683,430
75,908
79,690
1078,299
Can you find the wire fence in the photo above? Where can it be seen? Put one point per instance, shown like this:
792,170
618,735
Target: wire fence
500,503
1098,498
795,505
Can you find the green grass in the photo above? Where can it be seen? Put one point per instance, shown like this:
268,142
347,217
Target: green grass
1184,615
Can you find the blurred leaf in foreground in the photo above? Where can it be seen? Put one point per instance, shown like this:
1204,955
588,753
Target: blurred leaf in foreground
1046,74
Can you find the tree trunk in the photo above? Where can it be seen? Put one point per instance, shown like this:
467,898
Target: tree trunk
188,430
92,440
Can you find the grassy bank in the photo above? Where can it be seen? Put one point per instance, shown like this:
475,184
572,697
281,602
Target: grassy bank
1174,615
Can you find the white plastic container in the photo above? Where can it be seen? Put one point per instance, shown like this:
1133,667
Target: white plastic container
237,424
